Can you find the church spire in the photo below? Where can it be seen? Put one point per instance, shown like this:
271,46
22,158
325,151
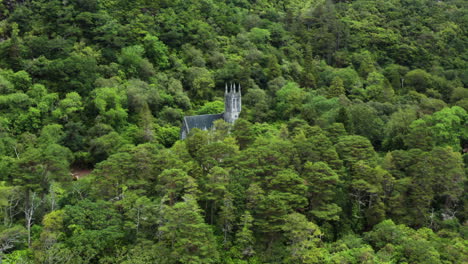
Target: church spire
232,103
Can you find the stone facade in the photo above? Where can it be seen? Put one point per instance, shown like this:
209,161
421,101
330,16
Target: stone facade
232,109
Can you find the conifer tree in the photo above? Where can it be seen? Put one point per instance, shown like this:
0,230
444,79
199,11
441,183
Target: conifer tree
322,183
185,235
336,87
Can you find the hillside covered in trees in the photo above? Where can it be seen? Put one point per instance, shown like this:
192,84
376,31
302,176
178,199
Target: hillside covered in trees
351,146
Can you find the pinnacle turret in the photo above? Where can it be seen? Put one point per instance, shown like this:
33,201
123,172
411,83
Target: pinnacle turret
232,102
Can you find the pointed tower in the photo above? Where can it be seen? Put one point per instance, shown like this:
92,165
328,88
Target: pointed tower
232,103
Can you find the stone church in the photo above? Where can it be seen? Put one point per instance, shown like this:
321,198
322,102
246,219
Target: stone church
232,109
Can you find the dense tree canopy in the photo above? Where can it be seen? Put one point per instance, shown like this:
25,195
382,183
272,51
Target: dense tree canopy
351,146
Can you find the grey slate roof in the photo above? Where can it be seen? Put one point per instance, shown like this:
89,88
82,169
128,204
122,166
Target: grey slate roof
202,122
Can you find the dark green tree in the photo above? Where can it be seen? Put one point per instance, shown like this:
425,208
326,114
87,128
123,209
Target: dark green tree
184,234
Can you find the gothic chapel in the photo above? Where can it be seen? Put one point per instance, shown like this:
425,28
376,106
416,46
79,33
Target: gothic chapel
232,109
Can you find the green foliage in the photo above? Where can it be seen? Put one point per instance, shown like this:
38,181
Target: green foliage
303,239
215,107
92,229
167,135
397,128
200,81
109,104
352,149
404,243
185,236
349,148
245,239
259,35
443,128
336,87
156,51
322,186
419,80
364,121
134,65
289,100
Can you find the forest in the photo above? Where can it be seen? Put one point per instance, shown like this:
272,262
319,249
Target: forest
351,147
